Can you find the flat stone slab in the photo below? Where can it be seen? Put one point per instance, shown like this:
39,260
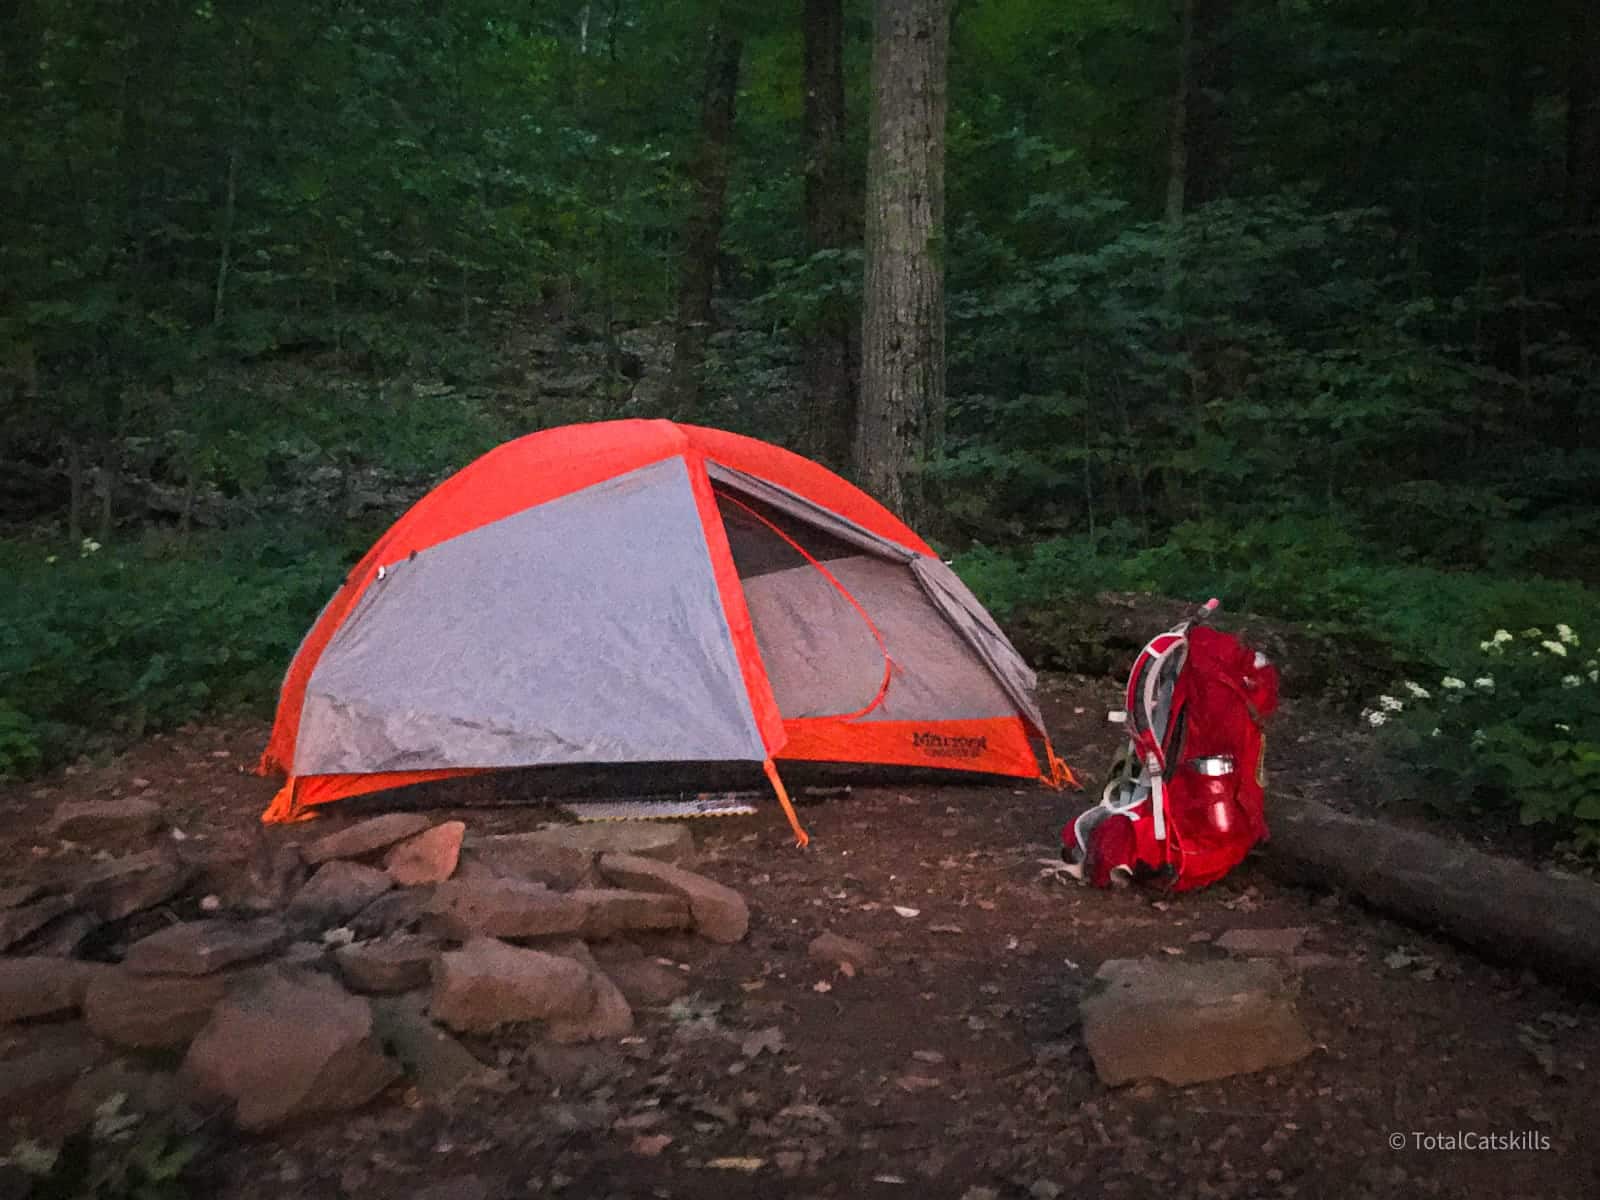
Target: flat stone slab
203,947
337,892
388,967
1190,1022
44,987
1263,943
148,1012
430,857
647,984
673,843
19,923
50,1066
613,911
123,886
835,948
488,983
83,820
367,837
291,1044
503,908
12,897
441,1067
719,912
528,856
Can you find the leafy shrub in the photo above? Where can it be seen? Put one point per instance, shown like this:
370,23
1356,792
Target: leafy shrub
113,645
1514,728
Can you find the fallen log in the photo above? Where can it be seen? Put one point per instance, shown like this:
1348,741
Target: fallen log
1508,912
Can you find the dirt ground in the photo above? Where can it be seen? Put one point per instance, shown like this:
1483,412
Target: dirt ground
955,1066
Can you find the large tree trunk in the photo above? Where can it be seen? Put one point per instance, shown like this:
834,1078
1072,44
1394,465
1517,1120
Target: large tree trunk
902,333
1504,910
703,231
1207,128
830,389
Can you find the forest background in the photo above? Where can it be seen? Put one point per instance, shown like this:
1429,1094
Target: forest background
1296,302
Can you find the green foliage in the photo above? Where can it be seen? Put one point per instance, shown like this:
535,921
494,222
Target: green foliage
120,1156
1513,728
121,643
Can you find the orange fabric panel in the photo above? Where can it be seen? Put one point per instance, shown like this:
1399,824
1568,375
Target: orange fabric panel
769,722
311,790
997,745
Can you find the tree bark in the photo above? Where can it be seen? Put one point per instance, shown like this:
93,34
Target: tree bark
1178,133
1502,909
703,230
902,332
1207,129
826,353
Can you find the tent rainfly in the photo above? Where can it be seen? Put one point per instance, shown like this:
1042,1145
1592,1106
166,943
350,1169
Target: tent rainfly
647,592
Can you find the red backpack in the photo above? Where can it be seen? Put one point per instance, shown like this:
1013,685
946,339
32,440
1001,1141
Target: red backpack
1185,802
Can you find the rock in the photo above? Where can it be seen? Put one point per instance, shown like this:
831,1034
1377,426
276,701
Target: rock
148,1012
1189,1022
834,948
441,1067
388,967
503,908
645,839
289,1045
44,987
578,1068
19,923
123,886
530,856
14,897
465,1187
264,882
430,857
338,891
616,910
611,1016
487,984
396,911
366,837
83,820
1263,943
203,947
63,936
647,984
719,912
51,1065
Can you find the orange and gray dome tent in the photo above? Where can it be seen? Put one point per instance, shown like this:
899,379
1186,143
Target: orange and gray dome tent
631,592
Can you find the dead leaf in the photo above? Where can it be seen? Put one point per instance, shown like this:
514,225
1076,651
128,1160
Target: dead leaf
917,1083
651,1145
737,1164
768,1040
908,913
822,985
945,929
927,1056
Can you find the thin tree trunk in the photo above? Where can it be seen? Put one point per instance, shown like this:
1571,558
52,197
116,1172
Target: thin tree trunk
827,344
1207,127
902,329
74,492
225,251
703,231
1178,134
